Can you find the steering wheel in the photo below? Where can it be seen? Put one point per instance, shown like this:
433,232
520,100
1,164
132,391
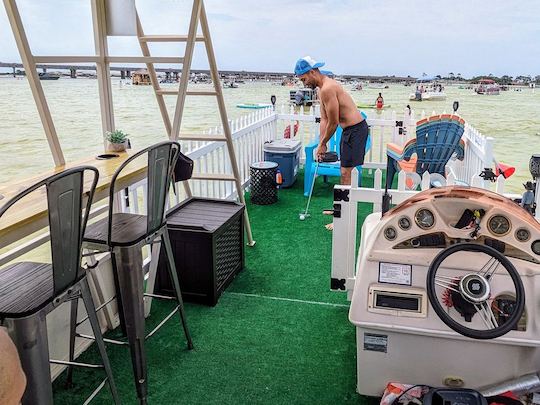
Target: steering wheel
470,294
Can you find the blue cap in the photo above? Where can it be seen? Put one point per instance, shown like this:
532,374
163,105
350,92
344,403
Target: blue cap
305,64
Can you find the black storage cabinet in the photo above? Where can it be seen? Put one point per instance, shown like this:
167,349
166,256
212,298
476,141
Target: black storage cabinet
207,238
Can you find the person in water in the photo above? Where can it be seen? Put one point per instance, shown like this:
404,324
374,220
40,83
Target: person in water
337,108
379,102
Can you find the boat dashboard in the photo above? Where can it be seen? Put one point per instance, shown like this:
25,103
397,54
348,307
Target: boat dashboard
439,218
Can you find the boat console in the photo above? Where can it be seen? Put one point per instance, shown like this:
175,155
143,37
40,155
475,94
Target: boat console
446,292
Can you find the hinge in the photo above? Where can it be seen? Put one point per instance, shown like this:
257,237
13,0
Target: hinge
337,284
337,211
341,195
318,120
399,123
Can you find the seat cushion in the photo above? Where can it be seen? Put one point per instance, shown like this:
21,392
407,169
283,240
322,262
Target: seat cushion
127,229
24,288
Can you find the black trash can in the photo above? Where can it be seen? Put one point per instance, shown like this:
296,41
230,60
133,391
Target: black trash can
263,186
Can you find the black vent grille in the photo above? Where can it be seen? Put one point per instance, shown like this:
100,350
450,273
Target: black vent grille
228,252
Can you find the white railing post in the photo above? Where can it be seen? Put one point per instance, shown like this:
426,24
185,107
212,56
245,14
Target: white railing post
488,153
340,240
426,181
377,185
499,185
477,181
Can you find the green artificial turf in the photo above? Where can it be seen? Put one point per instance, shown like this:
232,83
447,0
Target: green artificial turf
278,335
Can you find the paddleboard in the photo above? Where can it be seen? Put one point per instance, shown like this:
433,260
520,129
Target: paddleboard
373,106
253,105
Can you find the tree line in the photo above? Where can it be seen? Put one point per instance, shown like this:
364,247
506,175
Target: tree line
504,80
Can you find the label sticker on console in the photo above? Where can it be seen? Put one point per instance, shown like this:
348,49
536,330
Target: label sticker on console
395,273
375,343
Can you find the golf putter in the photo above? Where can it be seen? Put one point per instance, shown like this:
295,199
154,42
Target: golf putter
306,214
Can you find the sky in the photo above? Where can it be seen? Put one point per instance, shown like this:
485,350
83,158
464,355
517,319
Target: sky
365,37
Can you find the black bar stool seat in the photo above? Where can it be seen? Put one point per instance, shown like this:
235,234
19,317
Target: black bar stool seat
127,229
25,287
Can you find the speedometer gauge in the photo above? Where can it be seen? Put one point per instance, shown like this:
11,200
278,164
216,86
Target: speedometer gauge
424,218
499,225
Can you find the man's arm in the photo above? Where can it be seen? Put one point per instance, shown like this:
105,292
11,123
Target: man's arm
331,108
322,129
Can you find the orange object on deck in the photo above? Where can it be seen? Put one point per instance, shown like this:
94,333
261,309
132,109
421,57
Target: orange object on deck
279,178
505,170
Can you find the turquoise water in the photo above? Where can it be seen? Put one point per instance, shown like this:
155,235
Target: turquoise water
511,118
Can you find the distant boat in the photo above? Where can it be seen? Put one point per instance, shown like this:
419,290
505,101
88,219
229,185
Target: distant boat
487,87
377,86
48,76
427,89
230,85
305,97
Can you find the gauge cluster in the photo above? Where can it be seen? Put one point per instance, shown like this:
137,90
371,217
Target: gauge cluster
497,225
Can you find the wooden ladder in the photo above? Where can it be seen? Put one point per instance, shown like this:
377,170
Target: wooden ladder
198,16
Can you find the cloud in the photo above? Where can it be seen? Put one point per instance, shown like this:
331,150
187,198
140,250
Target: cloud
353,36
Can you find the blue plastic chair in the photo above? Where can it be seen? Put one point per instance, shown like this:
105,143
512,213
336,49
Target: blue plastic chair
327,169
437,139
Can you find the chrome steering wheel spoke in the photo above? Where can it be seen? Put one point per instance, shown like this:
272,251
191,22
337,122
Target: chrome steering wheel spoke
489,268
485,312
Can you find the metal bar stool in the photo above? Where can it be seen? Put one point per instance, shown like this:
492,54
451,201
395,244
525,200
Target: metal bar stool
124,235
29,291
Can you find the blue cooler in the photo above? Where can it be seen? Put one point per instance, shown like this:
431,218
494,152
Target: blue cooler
286,153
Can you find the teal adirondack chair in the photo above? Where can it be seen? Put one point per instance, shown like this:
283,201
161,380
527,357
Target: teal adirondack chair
327,169
437,139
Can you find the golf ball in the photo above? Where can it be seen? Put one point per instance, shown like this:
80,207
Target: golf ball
302,217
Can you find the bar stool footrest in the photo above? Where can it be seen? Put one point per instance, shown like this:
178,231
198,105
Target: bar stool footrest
162,323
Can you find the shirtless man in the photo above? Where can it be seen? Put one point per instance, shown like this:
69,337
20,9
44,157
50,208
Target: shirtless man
337,108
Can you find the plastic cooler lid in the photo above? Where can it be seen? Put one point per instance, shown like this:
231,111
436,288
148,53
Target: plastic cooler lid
283,146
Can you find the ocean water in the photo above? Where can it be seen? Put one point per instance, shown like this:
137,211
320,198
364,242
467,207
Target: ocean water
512,118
